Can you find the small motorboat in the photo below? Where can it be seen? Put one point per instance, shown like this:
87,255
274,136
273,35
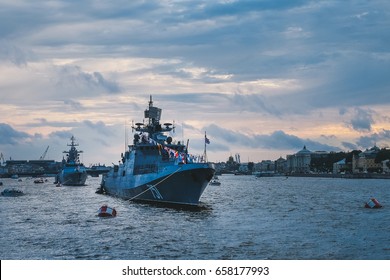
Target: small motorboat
106,211
39,181
11,192
100,190
215,182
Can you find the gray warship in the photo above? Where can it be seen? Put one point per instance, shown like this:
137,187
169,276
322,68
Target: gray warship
155,169
73,172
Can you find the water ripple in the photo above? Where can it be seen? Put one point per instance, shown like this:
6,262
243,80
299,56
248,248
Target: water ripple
244,218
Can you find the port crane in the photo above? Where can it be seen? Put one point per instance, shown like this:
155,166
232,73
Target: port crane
44,154
237,156
2,162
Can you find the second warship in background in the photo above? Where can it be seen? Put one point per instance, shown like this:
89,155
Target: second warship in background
155,169
73,172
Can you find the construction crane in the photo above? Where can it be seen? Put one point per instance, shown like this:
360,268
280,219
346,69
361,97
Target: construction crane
44,154
238,160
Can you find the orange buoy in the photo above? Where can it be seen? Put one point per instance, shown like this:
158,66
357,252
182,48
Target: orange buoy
373,203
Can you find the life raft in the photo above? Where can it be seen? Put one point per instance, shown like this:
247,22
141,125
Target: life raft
106,211
373,203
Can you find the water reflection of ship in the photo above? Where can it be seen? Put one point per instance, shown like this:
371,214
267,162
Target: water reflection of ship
157,169
73,172
265,174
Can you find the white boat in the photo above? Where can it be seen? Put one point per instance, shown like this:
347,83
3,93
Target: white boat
215,181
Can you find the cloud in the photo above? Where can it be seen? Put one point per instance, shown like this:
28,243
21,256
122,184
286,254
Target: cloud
374,139
13,54
61,134
254,103
98,126
72,78
10,136
277,140
84,67
362,120
349,146
73,105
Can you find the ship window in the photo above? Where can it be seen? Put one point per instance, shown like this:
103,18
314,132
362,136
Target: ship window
124,173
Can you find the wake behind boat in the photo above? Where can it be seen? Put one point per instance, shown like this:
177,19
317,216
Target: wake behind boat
156,169
73,172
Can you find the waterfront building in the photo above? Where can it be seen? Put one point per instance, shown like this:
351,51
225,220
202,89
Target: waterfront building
299,162
265,166
365,161
243,168
281,165
3,171
385,166
339,166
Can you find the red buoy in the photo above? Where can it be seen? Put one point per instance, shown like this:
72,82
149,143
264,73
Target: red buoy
106,211
373,203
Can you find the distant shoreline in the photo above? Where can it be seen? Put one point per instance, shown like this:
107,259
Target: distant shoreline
319,175
345,176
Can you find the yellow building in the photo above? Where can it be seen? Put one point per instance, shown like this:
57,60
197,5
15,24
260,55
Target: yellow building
365,161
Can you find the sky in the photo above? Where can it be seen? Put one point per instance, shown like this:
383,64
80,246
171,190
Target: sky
262,78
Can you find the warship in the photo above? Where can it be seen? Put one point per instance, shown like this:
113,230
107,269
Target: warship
156,169
73,172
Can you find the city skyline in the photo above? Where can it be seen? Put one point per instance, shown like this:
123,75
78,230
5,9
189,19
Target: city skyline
261,78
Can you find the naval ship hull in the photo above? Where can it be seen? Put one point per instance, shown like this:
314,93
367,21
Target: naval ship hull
184,186
73,178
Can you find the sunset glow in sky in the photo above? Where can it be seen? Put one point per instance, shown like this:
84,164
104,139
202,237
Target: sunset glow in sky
262,77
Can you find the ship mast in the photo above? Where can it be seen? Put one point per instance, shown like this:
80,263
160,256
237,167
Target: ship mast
73,153
206,141
154,128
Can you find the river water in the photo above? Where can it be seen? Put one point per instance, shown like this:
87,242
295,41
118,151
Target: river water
245,218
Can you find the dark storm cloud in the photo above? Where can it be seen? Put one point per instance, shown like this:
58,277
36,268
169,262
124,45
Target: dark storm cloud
341,44
8,135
